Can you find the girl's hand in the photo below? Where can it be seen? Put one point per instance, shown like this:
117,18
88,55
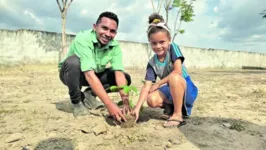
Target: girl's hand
135,112
154,87
126,109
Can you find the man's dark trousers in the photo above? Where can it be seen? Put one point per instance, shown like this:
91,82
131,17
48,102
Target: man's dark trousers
71,75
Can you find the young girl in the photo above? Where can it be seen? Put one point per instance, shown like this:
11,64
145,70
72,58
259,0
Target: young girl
175,87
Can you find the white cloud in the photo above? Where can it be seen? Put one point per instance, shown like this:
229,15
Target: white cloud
215,9
3,3
32,16
214,24
257,36
84,12
200,7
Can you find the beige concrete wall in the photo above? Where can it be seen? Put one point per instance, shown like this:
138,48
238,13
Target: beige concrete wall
213,58
27,47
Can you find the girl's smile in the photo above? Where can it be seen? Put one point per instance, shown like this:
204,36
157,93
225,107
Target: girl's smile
160,43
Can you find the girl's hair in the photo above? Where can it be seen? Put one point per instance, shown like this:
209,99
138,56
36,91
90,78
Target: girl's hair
157,24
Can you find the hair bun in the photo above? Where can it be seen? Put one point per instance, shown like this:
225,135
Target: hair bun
155,18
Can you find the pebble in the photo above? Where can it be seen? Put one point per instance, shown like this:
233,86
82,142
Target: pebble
14,138
227,125
169,144
99,129
175,142
109,136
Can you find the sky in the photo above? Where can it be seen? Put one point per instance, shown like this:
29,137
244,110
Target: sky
219,24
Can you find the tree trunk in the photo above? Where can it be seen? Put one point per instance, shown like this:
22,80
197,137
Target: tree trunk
153,8
166,11
167,7
64,39
176,32
63,10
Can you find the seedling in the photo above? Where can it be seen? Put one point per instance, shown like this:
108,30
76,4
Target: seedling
132,91
129,90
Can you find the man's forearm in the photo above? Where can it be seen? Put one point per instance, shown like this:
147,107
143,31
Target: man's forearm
97,87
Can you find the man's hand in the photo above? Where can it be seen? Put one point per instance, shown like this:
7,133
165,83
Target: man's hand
115,112
154,87
135,112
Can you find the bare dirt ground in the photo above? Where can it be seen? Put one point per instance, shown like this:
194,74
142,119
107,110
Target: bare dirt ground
35,113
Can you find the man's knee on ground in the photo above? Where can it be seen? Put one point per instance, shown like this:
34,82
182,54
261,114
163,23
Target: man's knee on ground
72,61
152,101
128,78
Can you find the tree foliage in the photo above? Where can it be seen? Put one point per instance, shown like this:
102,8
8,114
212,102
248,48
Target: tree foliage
182,10
263,13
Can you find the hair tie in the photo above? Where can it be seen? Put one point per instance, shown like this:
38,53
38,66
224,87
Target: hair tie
156,21
161,24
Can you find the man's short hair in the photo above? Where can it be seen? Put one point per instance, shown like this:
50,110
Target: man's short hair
109,15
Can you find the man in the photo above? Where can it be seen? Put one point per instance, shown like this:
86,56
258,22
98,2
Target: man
85,65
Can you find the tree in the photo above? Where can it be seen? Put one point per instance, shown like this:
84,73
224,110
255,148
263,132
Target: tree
182,9
63,7
263,13
159,6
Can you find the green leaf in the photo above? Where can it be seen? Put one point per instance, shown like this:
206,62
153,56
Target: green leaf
126,89
187,13
131,104
182,31
176,3
123,86
114,88
134,89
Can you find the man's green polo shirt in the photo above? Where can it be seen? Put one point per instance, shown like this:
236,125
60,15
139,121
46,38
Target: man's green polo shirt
92,55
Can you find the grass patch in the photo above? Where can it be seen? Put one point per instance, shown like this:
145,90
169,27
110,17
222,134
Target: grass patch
237,126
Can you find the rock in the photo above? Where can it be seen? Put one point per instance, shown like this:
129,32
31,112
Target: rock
109,136
27,148
175,141
99,129
123,141
227,125
132,138
52,135
85,130
96,113
142,139
169,145
14,138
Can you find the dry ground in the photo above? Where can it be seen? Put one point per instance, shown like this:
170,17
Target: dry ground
230,113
